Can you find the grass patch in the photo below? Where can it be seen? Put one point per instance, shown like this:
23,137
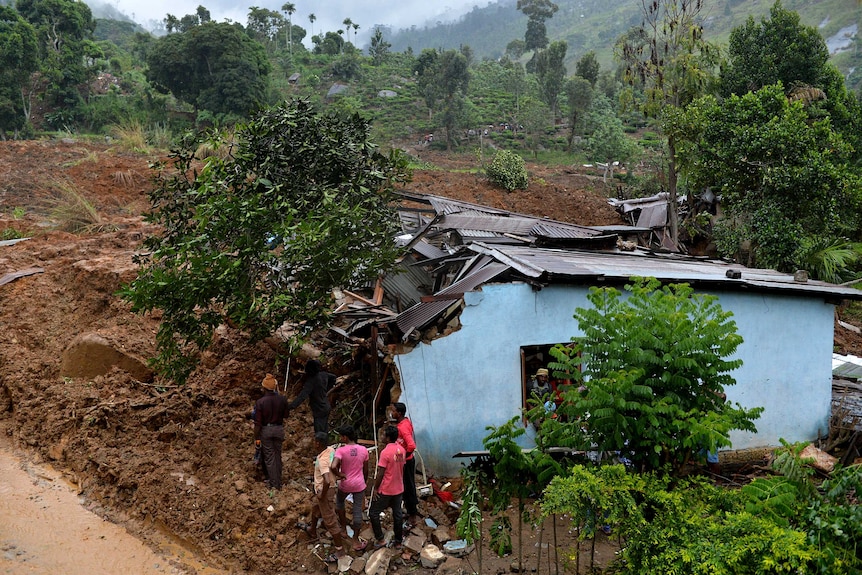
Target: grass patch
72,211
90,156
131,135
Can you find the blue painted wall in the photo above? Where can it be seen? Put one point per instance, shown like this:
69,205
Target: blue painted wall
458,385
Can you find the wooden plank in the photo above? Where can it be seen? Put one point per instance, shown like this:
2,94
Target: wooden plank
360,298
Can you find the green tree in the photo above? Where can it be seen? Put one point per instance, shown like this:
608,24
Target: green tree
608,142
214,66
779,49
265,25
579,96
443,79
379,47
18,60
783,178
262,235
289,8
551,73
656,366
588,68
64,30
537,12
668,56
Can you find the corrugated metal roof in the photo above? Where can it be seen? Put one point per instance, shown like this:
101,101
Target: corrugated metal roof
564,231
575,265
423,313
488,223
409,284
848,366
429,251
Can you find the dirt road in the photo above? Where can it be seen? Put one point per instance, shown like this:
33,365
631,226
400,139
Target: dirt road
46,529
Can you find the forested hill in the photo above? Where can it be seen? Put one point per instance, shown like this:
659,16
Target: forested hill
596,24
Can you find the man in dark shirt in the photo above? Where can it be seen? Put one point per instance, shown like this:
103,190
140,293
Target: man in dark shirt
269,412
317,384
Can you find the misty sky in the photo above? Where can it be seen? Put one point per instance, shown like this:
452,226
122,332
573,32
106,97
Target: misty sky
330,14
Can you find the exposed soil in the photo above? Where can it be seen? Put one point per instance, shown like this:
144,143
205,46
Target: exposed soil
153,456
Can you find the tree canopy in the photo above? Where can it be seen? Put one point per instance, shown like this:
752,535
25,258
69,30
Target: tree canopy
782,177
213,66
262,235
18,59
779,49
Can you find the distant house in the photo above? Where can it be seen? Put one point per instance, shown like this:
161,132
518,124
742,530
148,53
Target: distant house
501,289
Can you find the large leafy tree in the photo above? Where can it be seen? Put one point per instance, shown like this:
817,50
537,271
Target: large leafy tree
669,59
779,49
64,29
551,73
262,235
537,12
782,49
655,365
579,96
443,79
784,179
213,66
18,60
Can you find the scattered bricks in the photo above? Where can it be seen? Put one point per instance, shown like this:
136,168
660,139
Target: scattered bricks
431,557
378,563
415,542
440,536
358,565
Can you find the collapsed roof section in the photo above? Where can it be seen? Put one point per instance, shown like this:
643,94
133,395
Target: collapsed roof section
453,247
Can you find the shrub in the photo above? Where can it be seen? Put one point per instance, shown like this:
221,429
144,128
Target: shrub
508,171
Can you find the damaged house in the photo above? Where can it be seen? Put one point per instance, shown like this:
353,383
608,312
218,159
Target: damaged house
485,293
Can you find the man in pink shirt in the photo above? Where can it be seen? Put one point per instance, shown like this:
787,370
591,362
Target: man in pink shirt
351,466
407,441
388,488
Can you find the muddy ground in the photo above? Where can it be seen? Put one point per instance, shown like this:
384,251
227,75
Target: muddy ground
155,457
152,456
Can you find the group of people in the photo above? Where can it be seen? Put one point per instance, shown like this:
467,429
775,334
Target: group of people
341,472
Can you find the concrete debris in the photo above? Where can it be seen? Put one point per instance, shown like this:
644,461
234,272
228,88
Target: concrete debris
431,557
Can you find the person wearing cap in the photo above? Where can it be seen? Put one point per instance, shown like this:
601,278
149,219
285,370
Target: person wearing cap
322,507
351,466
407,440
317,385
541,386
269,412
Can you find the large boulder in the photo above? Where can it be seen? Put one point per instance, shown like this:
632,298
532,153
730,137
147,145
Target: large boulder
90,355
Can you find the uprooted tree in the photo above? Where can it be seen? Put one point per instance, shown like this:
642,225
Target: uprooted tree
297,203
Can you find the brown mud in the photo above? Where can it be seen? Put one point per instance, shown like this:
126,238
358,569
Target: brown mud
151,456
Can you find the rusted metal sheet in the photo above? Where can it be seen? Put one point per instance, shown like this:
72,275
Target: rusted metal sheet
422,314
12,276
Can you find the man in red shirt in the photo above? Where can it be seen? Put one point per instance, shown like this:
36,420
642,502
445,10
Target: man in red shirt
388,488
408,442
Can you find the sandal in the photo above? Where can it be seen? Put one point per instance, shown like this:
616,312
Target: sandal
379,544
361,547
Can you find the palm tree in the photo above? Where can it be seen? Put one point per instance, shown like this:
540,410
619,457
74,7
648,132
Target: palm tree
312,18
289,8
355,28
347,24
